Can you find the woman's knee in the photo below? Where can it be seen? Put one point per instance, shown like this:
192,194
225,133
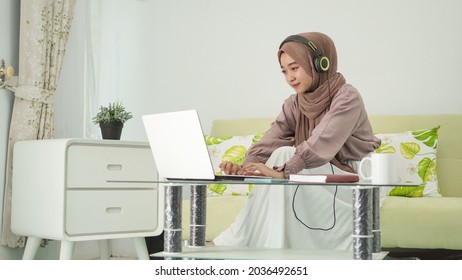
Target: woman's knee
280,156
285,150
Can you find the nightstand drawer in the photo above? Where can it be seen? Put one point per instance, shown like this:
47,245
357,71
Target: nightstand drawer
99,166
96,212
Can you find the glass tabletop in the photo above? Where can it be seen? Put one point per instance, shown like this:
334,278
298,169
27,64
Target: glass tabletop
272,181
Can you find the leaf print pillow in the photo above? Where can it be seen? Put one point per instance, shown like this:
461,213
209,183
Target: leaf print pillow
416,160
231,148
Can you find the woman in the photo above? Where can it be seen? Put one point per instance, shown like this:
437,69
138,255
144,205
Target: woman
323,128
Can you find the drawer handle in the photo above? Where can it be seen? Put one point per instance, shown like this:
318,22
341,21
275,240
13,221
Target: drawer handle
114,210
114,167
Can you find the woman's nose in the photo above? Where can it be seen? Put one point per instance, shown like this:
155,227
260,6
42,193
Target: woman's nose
290,77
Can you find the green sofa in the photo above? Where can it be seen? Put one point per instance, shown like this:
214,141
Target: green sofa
409,223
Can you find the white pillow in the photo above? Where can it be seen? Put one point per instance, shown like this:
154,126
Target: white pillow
416,159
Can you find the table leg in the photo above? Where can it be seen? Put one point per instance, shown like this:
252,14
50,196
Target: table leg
172,224
362,223
376,243
198,215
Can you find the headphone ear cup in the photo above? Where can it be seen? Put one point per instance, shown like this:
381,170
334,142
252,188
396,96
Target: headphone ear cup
322,63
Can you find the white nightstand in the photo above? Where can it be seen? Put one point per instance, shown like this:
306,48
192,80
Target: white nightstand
80,189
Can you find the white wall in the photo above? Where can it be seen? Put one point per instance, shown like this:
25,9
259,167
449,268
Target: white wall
220,56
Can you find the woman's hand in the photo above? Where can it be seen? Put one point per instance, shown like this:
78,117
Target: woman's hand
230,168
260,169
251,169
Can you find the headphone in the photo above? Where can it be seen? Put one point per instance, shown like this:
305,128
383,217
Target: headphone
321,62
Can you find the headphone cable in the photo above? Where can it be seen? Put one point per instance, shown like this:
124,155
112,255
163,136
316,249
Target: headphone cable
333,206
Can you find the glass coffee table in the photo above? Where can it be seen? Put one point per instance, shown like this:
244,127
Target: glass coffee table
365,229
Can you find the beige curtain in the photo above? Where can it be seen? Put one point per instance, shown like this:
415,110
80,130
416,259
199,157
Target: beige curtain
45,26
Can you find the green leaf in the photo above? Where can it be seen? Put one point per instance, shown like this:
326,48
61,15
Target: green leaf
114,112
428,136
407,191
257,138
212,140
235,154
385,149
427,169
217,188
409,149
236,194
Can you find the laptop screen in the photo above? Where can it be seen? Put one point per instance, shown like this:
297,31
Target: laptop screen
178,145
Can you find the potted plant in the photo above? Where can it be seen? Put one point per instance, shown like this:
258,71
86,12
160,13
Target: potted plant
111,120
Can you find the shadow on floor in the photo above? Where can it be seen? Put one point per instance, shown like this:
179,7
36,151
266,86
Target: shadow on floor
422,254
155,244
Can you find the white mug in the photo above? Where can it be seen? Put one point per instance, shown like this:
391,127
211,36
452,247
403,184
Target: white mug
383,169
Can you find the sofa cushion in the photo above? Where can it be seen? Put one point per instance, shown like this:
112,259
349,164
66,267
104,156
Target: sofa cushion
416,160
449,147
229,148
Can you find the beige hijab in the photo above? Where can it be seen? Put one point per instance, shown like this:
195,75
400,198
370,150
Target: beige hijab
315,102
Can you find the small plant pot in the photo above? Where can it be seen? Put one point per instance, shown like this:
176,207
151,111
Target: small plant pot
111,130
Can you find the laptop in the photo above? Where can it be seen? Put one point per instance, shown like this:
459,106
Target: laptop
179,148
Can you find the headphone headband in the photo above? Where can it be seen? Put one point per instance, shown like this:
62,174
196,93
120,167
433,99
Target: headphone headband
321,62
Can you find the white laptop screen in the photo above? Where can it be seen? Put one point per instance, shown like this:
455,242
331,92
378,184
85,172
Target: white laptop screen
178,145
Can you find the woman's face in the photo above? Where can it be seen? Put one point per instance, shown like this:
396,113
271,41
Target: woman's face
295,75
